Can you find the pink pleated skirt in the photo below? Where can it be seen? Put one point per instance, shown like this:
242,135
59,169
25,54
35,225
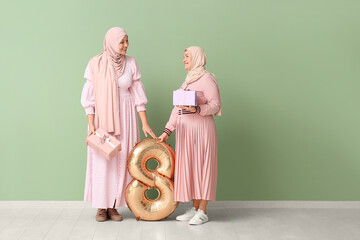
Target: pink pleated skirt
196,158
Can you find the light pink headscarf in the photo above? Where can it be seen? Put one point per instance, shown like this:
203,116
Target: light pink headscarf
197,68
105,69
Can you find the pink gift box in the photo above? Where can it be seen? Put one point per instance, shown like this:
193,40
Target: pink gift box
184,98
105,144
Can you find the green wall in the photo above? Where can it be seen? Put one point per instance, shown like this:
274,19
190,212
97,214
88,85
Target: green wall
288,72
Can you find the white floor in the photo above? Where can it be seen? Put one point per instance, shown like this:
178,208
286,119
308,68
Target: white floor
226,222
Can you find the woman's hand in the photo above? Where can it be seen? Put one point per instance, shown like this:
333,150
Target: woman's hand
163,137
91,131
145,126
188,108
147,130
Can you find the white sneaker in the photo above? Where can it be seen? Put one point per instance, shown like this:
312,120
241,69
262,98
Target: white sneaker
187,216
199,218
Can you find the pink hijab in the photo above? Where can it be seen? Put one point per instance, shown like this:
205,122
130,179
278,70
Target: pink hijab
105,69
197,68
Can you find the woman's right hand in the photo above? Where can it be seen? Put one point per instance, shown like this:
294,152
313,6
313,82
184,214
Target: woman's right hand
91,131
163,137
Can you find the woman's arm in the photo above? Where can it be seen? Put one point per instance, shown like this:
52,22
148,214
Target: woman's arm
137,92
90,118
88,102
170,126
145,125
212,95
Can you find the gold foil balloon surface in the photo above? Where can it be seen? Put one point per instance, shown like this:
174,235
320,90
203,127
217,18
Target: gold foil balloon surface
159,179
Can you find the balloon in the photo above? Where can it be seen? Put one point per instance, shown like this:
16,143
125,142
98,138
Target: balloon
159,179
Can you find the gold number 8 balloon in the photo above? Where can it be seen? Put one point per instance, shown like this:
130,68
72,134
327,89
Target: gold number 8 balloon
160,179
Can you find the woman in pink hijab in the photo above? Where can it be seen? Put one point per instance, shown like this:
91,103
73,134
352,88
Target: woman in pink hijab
111,96
196,141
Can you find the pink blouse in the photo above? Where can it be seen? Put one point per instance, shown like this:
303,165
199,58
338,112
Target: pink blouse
129,81
208,99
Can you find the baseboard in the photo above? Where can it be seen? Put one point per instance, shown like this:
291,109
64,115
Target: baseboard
225,204
44,204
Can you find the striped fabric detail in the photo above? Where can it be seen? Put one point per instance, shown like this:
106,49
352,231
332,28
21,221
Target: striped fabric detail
167,131
183,111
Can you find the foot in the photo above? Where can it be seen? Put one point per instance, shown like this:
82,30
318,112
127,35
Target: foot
113,214
187,216
199,218
101,215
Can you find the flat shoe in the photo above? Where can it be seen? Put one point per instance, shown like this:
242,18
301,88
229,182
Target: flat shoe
114,215
101,215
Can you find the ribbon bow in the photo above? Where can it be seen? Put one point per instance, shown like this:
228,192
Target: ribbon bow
105,138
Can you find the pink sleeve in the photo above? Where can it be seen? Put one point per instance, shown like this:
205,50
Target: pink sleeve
135,69
87,72
212,95
87,95
137,92
137,89
87,98
171,124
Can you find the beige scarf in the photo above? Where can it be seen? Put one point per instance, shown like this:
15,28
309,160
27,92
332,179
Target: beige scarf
105,69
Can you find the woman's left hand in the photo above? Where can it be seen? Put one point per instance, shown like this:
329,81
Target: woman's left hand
147,130
188,108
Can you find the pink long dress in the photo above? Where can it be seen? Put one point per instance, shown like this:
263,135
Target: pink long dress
196,144
106,180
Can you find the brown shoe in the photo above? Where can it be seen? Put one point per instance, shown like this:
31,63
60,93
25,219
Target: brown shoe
101,215
113,214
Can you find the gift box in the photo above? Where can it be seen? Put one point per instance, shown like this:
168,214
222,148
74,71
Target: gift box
105,144
184,98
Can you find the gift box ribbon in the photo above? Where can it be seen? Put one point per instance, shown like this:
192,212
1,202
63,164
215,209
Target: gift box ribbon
104,138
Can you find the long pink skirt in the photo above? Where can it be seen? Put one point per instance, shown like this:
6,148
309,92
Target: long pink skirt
196,158
106,180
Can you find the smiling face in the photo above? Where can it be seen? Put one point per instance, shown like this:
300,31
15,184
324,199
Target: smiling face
124,45
187,60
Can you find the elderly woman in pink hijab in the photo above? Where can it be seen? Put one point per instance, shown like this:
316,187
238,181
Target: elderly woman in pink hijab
111,96
196,141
